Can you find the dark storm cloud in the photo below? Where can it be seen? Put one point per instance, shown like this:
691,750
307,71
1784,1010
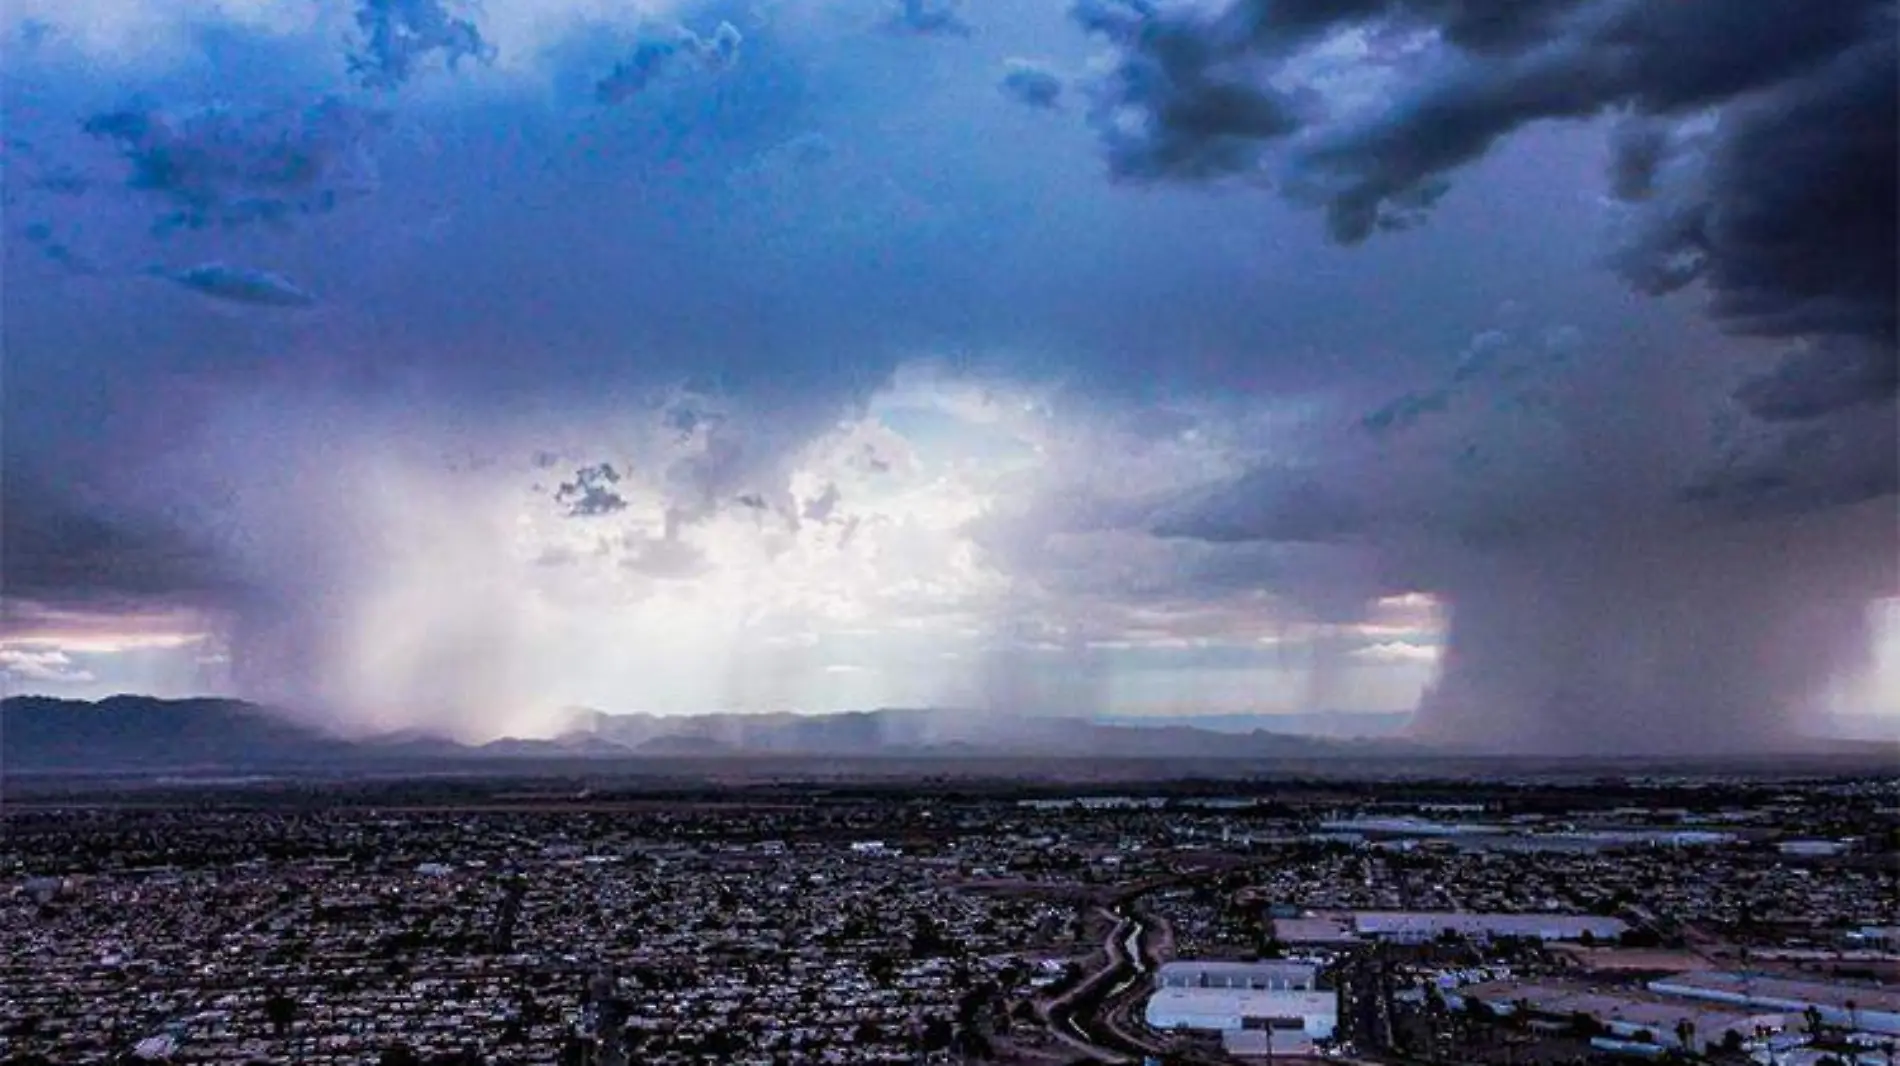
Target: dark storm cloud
398,35
1638,149
1031,83
653,57
226,167
243,285
1799,468
1788,210
1820,379
1606,591
1508,372
61,547
1602,594
534,268
1801,246
1169,107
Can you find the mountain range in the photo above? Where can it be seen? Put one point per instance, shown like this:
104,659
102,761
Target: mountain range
133,733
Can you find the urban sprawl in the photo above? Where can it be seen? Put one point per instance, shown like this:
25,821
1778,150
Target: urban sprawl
1704,920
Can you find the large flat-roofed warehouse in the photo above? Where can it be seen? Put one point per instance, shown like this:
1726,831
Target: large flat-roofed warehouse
1271,975
1657,1020
1868,1008
1257,1008
1421,926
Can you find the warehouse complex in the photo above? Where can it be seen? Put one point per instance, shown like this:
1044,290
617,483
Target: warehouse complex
1256,1007
1866,1009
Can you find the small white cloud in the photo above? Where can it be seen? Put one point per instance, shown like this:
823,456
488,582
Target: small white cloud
49,666
1396,651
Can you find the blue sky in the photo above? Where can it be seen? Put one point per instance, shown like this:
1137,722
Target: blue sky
405,362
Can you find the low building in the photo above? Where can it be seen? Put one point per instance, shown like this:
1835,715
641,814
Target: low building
1655,1020
1271,975
1812,849
1323,930
1417,927
1420,926
1867,1008
1257,1008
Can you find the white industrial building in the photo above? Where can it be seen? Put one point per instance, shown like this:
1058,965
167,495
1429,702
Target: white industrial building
1257,1008
1271,975
1867,1008
1417,927
1812,849
1644,1019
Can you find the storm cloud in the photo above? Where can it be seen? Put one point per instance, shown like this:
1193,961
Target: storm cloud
1031,83
399,35
226,167
1754,157
1605,590
653,57
929,18
1797,248
457,397
243,285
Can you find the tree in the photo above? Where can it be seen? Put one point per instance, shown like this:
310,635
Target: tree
280,1010
926,938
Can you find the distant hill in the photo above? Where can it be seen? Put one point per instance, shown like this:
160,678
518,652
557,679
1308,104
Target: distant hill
943,733
1338,725
140,733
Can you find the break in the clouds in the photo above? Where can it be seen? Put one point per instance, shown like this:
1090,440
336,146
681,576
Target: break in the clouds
1530,363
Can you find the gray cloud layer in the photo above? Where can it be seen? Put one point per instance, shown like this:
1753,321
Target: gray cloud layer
1032,83
398,35
508,267
218,166
1801,246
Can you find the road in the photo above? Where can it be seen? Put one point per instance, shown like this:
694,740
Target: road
1089,1016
